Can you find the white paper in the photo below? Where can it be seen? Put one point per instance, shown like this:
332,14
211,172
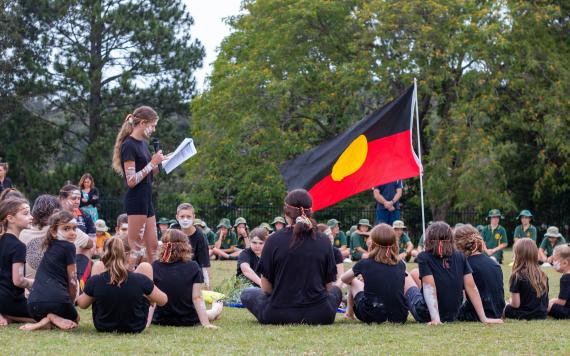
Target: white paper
185,150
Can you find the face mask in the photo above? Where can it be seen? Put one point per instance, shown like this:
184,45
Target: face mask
148,132
186,223
556,266
60,236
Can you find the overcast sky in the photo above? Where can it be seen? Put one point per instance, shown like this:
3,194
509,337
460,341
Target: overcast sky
210,29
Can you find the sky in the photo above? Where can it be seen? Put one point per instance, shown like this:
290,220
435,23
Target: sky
210,29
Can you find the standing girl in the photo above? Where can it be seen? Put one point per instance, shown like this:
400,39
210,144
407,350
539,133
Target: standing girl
89,196
528,284
52,298
132,159
14,217
379,297
121,299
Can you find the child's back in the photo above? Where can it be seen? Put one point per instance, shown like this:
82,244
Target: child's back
531,306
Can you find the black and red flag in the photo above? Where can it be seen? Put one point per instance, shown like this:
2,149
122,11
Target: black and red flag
374,151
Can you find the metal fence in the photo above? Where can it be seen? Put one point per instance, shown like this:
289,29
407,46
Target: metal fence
256,214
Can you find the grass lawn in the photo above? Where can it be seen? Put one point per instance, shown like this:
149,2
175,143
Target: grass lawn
239,333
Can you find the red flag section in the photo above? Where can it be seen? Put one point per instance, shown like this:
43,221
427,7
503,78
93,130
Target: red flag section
374,151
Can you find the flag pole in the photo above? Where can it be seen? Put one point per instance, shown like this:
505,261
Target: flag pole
420,156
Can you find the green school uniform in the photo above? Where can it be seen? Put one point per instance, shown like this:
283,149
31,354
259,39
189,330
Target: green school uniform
521,233
340,240
493,238
240,242
404,239
357,241
229,240
210,236
548,248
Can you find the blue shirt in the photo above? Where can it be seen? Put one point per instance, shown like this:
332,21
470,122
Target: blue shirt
388,191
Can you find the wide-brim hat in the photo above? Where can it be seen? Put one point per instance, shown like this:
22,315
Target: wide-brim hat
199,222
525,213
173,221
279,219
552,231
494,213
365,222
332,223
163,221
101,226
240,220
266,226
398,224
224,222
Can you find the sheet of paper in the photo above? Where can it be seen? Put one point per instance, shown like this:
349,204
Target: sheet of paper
183,152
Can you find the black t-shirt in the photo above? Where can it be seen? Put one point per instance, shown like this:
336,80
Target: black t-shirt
51,282
137,151
81,261
488,278
121,309
85,223
565,289
5,184
247,256
12,251
298,273
337,256
176,280
448,275
531,307
384,284
199,244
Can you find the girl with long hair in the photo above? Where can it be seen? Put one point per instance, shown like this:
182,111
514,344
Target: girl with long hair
89,196
132,159
379,296
121,299
181,279
297,270
14,217
51,301
528,284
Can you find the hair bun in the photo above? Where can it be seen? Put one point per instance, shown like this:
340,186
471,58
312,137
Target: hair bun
304,220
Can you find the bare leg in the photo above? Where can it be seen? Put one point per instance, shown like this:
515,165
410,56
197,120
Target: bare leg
214,313
356,286
44,324
145,268
63,324
151,239
409,282
137,223
3,321
415,274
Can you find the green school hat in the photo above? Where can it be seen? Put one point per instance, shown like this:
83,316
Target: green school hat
552,231
525,213
225,222
163,221
279,219
332,223
199,222
173,221
266,226
352,229
398,224
364,222
240,220
494,213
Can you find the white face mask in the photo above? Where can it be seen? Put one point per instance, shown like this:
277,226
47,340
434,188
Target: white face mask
556,266
186,223
60,236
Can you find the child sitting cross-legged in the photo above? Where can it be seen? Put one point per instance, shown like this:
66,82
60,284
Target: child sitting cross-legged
559,308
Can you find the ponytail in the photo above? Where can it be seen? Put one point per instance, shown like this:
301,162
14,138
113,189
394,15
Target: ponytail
298,205
114,260
141,114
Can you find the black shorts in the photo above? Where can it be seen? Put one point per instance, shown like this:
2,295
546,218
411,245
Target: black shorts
138,201
323,313
370,311
559,311
40,310
418,306
517,313
16,307
466,313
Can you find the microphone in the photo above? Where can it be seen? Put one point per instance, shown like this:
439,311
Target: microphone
156,146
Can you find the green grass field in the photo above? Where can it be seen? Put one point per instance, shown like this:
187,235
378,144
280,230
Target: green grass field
239,333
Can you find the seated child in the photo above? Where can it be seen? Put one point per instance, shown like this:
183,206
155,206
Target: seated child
528,284
121,299
406,245
163,225
101,235
552,238
51,301
242,233
559,308
339,237
181,279
487,274
248,259
443,274
278,223
226,242
379,297
358,240
208,233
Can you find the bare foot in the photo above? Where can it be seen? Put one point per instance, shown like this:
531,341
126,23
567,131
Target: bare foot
63,324
217,308
3,321
43,324
349,315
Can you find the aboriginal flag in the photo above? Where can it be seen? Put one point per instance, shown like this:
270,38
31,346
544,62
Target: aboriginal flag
374,151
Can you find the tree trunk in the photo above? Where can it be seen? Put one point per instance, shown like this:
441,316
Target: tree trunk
95,71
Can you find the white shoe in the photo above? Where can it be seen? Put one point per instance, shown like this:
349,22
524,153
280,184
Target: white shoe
347,260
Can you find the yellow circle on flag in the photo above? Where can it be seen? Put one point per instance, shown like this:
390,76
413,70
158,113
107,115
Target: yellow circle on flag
351,159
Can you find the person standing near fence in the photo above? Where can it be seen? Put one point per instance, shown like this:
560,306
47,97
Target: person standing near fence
132,159
5,182
89,196
388,202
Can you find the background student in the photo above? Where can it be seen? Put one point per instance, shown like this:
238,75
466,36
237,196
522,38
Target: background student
248,259
559,308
